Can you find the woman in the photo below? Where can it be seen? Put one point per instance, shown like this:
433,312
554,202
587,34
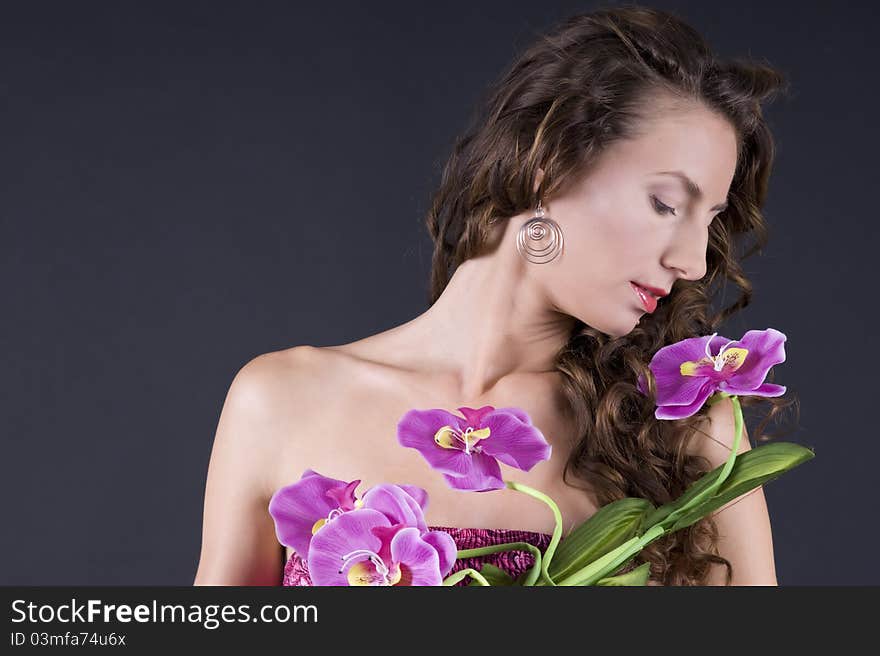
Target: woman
581,224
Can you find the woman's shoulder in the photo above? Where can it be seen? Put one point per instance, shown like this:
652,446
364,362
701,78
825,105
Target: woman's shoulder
289,384
276,371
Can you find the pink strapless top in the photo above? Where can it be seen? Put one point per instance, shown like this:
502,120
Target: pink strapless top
513,562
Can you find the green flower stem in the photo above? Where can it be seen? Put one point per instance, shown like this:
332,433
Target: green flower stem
509,546
725,471
715,398
610,562
557,530
452,579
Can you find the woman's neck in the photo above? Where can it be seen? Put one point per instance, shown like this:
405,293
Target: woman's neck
492,320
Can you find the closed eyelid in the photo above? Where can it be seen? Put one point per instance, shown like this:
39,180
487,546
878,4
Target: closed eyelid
692,188
660,206
666,208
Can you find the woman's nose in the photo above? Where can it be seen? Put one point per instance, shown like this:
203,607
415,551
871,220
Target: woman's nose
687,252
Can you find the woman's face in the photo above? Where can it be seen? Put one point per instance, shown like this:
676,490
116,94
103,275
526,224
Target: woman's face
616,226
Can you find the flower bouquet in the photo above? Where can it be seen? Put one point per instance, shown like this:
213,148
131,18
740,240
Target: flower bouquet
381,538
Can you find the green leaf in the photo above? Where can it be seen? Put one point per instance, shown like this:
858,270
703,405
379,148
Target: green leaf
613,561
706,487
608,528
696,488
494,575
751,470
638,576
748,471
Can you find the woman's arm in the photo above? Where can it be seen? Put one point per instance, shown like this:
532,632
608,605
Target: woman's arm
239,546
745,537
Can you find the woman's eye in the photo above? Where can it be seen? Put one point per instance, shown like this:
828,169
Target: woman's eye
660,207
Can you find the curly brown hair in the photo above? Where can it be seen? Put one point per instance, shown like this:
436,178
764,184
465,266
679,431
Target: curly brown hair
576,90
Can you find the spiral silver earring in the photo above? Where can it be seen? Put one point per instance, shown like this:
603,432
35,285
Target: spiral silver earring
539,239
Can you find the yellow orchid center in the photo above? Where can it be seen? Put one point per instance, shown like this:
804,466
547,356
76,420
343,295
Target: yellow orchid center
318,525
450,438
732,358
370,572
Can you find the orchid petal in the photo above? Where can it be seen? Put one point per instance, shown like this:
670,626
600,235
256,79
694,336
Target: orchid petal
344,495
446,547
767,389
398,506
682,411
688,372
483,476
475,417
519,413
514,442
295,508
385,535
415,424
347,533
416,509
417,493
766,348
417,429
672,387
418,560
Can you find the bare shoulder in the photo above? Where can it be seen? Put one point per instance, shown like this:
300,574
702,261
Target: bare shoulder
744,528
264,395
239,546
715,439
278,381
303,393
265,374
262,428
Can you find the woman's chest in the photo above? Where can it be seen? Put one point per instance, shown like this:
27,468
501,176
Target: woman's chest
357,439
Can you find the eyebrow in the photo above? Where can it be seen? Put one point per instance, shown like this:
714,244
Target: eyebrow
692,188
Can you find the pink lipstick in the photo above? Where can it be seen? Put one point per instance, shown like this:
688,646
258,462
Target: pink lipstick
649,302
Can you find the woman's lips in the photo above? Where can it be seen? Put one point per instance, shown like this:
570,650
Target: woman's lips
647,299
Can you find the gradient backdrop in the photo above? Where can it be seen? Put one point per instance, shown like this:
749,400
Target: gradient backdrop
188,185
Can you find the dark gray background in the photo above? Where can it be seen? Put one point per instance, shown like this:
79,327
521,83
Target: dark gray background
188,185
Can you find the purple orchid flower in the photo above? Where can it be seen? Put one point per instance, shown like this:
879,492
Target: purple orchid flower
466,450
690,371
363,547
397,505
304,507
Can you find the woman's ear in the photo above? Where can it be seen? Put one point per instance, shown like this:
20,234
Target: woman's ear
538,179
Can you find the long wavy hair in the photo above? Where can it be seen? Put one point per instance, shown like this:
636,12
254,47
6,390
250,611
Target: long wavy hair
579,88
